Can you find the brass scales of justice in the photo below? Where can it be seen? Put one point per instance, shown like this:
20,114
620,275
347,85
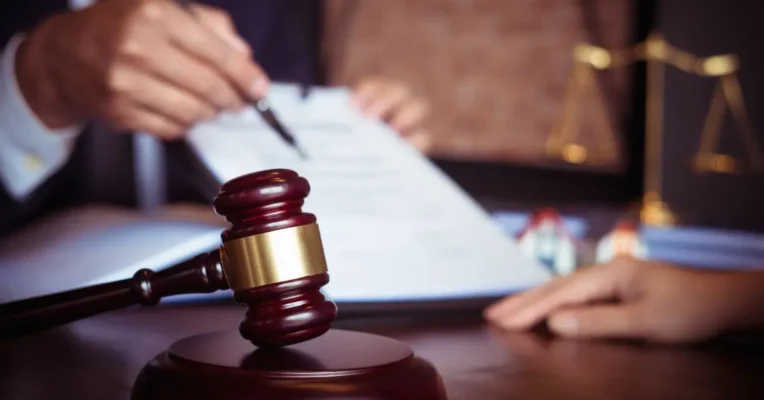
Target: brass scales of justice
658,54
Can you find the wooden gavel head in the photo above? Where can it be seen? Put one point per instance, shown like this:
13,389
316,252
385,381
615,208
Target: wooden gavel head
273,258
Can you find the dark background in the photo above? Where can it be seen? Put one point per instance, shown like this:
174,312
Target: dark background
702,27
706,28
729,201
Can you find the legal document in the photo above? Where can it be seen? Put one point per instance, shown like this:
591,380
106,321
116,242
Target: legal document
394,227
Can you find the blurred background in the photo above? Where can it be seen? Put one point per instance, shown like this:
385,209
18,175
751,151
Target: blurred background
498,75
496,72
601,109
504,83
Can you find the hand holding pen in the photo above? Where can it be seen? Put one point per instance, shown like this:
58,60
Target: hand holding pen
260,102
138,66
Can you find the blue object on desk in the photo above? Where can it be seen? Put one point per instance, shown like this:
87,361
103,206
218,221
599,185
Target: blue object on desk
514,222
690,246
705,247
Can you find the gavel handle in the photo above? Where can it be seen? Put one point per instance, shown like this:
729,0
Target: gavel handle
201,274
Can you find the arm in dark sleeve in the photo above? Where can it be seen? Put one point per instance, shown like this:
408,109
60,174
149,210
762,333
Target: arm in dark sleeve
22,16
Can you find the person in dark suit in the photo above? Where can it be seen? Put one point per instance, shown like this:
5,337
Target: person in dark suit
72,67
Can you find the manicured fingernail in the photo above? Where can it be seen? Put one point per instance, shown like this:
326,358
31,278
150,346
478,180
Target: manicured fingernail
260,88
564,323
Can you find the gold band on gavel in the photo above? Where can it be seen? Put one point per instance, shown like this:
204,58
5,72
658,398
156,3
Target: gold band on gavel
273,257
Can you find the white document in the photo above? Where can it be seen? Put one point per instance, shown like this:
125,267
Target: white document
394,227
98,244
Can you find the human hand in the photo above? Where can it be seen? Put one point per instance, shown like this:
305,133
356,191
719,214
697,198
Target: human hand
635,299
138,66
394,102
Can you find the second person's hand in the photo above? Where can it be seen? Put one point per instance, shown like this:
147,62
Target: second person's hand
634,299
394,103
137,65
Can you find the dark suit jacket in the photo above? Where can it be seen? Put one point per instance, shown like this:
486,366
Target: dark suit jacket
284,37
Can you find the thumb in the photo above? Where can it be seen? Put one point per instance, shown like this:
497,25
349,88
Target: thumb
599,321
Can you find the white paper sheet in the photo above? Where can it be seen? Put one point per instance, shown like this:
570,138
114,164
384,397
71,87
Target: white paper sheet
98,244
394,227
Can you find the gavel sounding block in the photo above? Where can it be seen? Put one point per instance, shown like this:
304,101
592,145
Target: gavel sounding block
284,348
337,365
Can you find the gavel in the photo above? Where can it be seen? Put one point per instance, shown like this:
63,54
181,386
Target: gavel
271,257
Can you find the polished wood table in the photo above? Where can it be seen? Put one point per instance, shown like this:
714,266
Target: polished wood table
99,358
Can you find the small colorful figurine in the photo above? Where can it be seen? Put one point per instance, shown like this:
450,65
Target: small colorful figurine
623,240
546,239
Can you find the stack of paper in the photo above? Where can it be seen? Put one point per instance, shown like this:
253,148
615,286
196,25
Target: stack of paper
394,227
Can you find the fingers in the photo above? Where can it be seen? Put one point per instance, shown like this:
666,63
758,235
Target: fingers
508,306
523,311
598,321
421,140
147,121
395,104
133,88
195,38
196,77
409,115
378,97
381,102
171,101
220,23
365,93
133,117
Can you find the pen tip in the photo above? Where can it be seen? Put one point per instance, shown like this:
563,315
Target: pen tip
302,153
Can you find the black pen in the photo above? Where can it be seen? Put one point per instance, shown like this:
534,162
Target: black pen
263,107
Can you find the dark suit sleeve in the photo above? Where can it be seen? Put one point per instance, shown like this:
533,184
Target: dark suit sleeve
9,211
290,50
21,17
13,213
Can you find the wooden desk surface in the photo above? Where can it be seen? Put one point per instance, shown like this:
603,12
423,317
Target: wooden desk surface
99,358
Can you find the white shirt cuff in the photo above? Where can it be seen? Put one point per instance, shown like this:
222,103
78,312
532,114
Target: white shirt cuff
29,152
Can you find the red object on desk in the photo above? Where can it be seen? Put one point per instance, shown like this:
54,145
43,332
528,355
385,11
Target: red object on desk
624,240
547,240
